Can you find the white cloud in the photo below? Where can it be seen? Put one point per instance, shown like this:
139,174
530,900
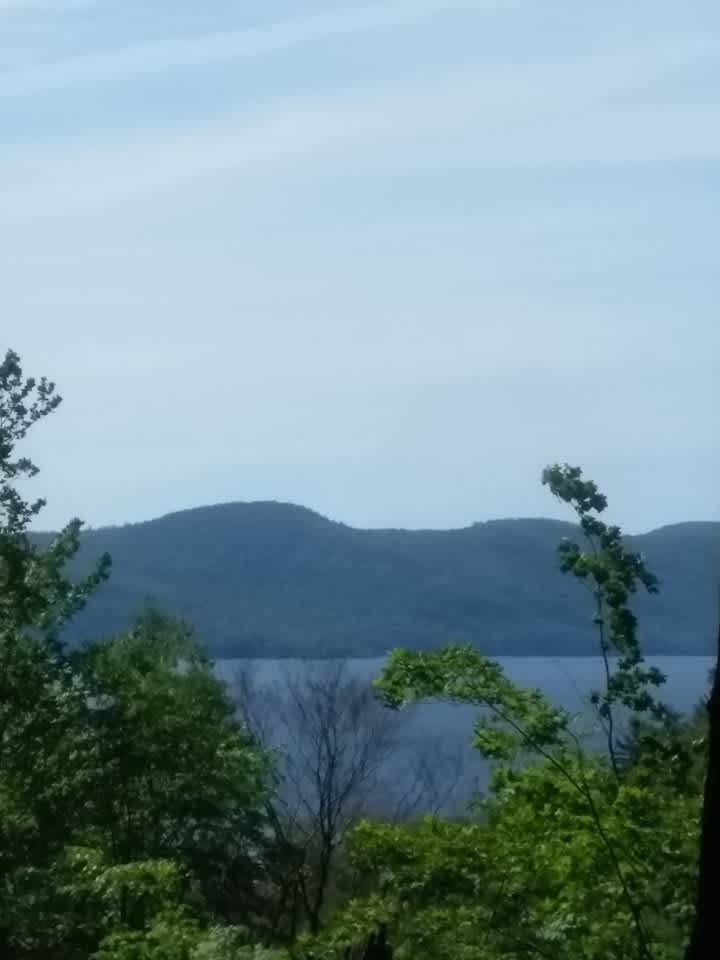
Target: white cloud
44,6
214,250
558,115
587,111
197,50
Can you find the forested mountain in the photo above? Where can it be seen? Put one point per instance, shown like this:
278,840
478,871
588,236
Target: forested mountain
272,579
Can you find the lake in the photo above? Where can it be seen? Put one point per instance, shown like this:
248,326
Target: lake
440,732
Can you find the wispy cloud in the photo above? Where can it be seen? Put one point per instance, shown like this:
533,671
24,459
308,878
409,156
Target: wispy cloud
44,6
397,213
95,175
200,49
542,114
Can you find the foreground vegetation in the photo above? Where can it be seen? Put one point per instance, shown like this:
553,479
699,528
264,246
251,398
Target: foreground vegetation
144,815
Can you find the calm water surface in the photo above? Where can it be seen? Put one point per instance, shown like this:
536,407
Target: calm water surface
445,729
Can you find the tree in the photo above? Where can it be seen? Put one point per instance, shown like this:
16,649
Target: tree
39,698
705,933
563,827
612,573
332,741
571,853
35,592
130,797
171,800
339,756
40,701
178,778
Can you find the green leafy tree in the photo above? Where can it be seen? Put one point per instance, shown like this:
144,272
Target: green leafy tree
168,831
149,920
572,853
42,760
612,573
35,591
178,777
129,794
703,940
39,698
82,903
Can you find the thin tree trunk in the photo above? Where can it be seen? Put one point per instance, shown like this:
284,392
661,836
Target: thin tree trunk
705,938
376,947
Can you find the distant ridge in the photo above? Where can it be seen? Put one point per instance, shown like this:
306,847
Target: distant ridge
276,579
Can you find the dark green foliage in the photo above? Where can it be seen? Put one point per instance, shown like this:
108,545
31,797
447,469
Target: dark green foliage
612,573
35,591
171,752
274,580
704,936
23,401
177,778
130,796
137,816
44,750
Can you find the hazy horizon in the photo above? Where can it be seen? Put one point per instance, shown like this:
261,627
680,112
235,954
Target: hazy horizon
385,260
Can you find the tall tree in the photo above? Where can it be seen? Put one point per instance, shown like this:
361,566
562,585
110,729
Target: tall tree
575,855
39,699
612,573
37,692
35,591
332,740
705,937
178,777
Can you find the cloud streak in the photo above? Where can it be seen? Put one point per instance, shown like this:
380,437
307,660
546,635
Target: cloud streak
44,6
540,115
213,48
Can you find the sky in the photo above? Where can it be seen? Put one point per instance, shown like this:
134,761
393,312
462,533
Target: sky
386,260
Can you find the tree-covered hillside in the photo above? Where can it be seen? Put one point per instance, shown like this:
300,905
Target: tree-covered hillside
272,579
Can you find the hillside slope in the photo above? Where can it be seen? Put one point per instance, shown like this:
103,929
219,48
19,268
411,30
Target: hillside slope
270,579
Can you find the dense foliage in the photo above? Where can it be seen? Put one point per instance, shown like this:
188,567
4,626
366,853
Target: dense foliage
575,854
140,817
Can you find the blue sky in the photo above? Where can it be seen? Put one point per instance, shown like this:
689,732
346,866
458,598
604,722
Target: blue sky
386,260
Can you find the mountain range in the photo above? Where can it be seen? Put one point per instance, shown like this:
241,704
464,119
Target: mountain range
271,579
